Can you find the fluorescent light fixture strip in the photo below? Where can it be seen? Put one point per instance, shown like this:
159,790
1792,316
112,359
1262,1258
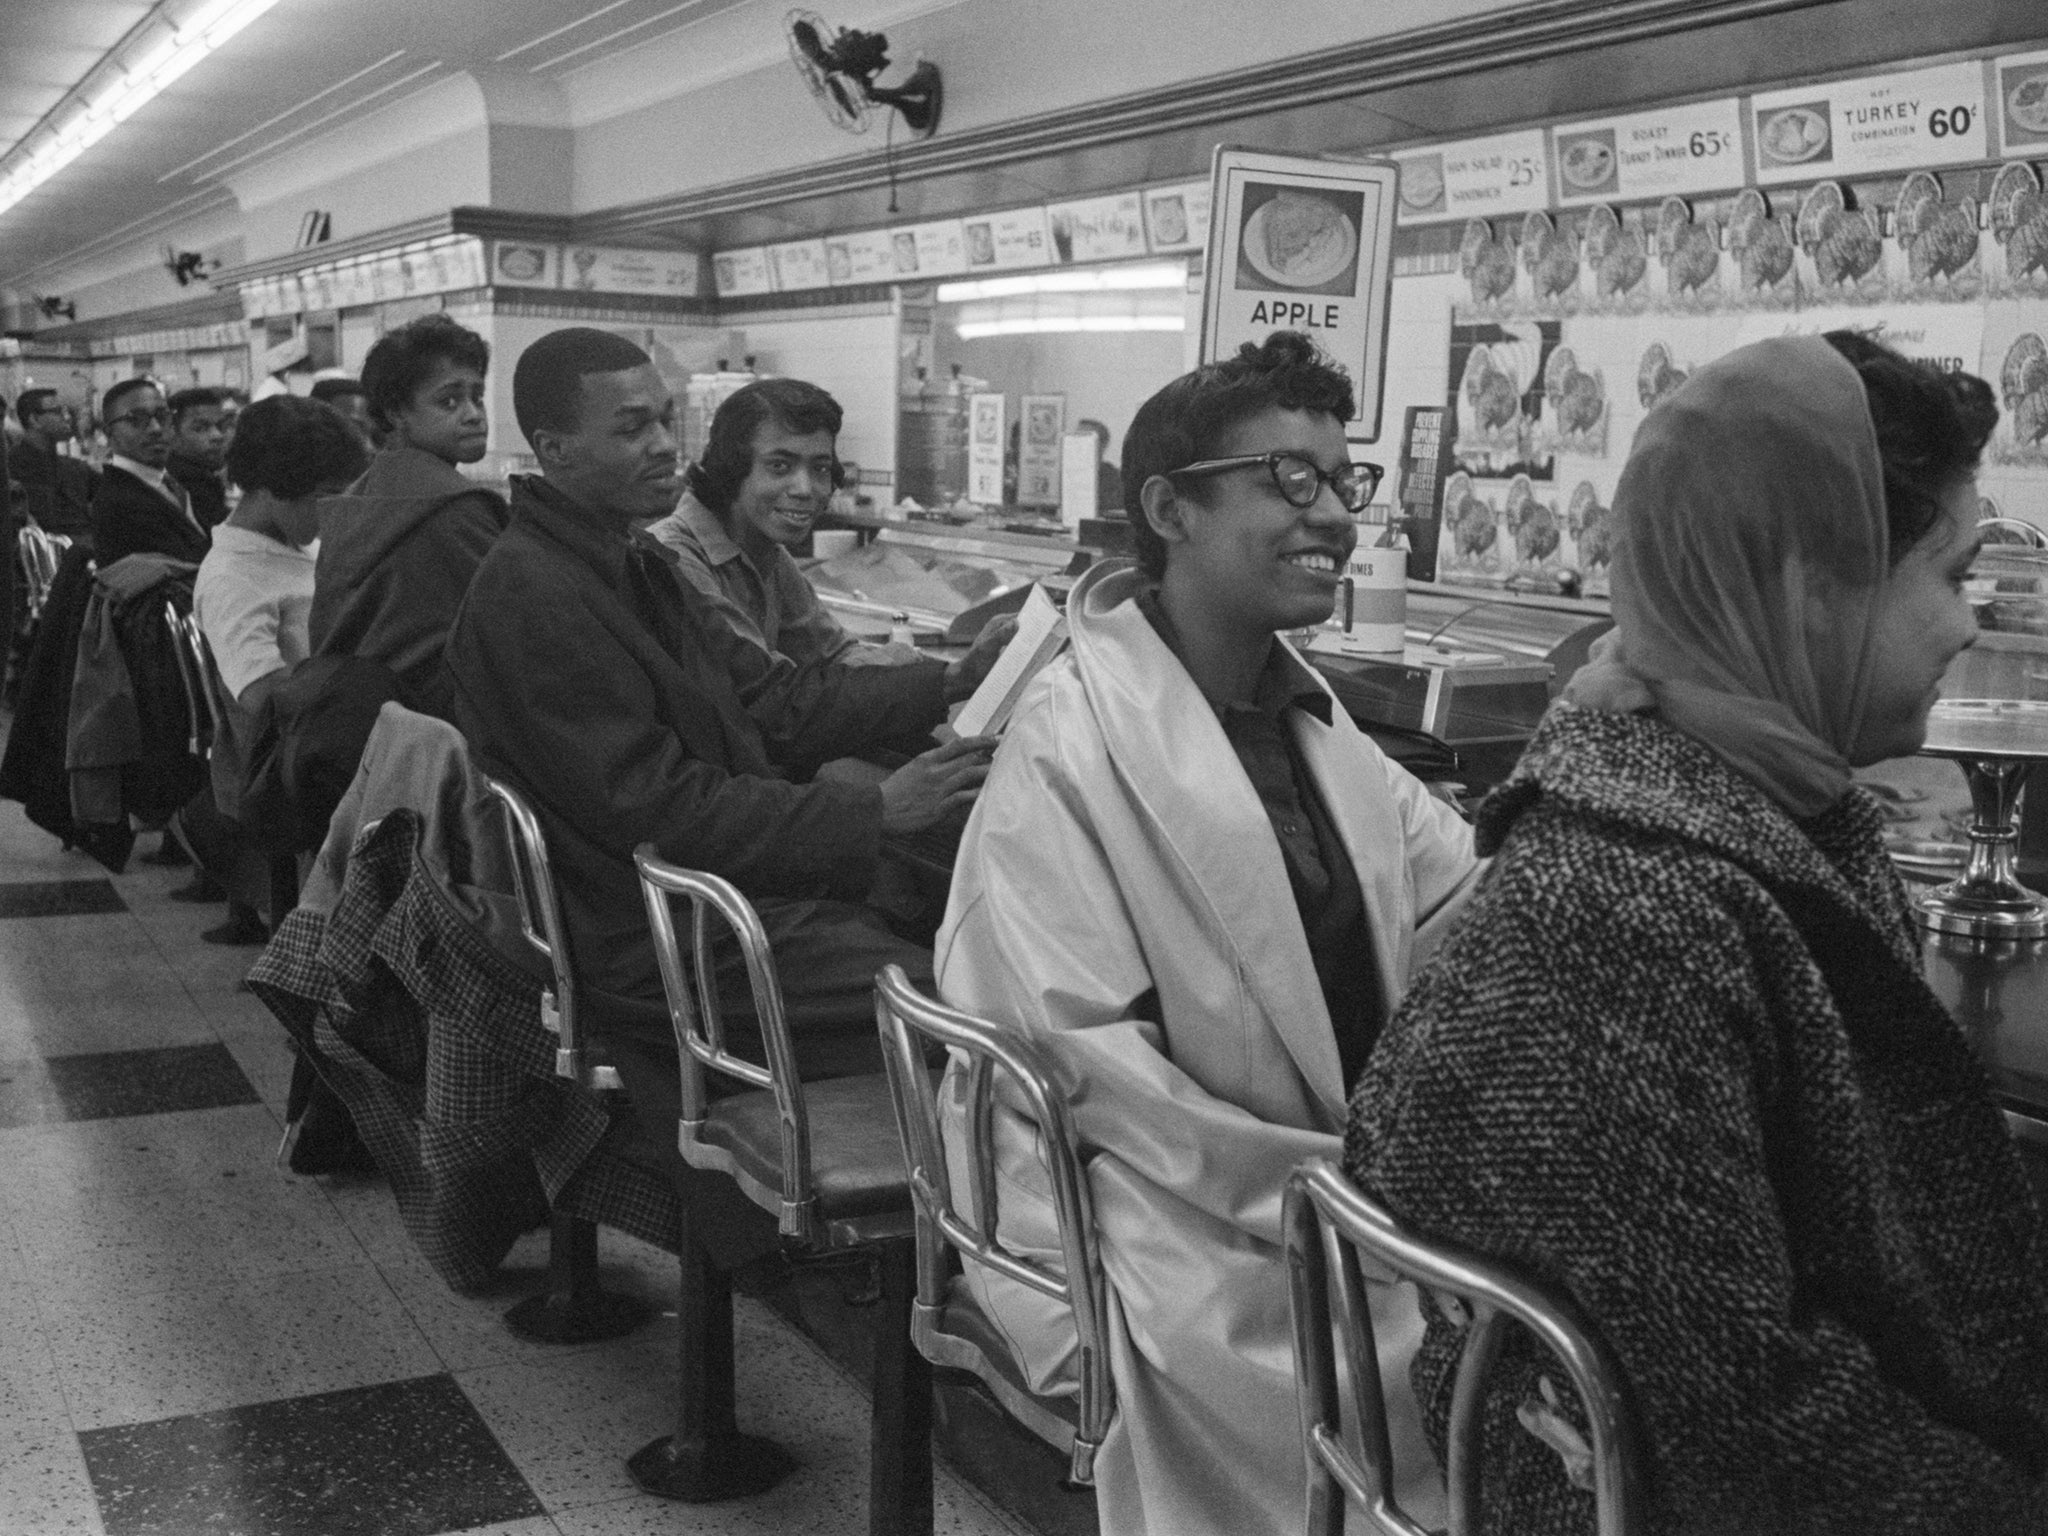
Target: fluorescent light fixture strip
1055,325
1151,274
202,32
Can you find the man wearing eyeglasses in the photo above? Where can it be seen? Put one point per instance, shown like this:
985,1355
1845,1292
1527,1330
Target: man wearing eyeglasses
60,489
140,509
1198,885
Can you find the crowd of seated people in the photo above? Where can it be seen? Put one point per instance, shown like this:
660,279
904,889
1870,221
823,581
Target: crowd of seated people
1652,1031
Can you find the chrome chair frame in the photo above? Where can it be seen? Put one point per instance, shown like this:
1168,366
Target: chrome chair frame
1328,1222
39,554
900,1472
699,1021
575,1308
903,1015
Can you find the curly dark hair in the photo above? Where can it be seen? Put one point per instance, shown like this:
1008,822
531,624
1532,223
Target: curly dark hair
402,360
292,447
1183,422
1931,427
728,457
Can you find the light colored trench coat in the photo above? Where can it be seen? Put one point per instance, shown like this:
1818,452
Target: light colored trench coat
1118,846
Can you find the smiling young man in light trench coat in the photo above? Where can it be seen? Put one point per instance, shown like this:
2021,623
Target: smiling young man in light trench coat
1119,851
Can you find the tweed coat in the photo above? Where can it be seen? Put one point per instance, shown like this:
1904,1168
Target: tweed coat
1679,1059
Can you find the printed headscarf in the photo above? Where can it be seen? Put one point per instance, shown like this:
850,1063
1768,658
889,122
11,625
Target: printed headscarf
1750,554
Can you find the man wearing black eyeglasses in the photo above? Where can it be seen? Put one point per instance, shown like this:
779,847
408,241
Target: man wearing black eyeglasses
1199,886
60,489
140,509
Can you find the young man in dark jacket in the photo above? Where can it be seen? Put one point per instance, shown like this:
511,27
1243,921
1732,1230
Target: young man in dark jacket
586,673
138,508
199,445
60,489
398,550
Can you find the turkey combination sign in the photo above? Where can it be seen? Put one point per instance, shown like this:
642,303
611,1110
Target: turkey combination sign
1301,244
1875,124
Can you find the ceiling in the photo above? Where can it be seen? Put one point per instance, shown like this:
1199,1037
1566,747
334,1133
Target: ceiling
304,67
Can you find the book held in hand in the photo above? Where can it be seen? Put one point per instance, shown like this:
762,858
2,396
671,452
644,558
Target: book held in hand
1041,635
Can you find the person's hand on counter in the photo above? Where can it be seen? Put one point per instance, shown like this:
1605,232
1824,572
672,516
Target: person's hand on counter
965,675
928,786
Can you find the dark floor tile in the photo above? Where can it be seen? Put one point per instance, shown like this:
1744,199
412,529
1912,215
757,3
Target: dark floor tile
409,1458
59,898
110,1084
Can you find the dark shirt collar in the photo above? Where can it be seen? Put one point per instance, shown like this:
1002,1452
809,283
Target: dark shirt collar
1284,680
601,540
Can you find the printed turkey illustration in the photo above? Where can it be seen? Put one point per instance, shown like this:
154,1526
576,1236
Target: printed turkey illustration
1551,255
1655,376
1488,264
1616,255
1588,521
1940,238
1762,245
1490,391
2023,382
1531,521
2019,219
1691,252
1841,240
1578,398
1469,517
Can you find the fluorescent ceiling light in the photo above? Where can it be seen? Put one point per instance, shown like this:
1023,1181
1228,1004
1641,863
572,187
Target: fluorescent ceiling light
1041,325
138,83
1152,274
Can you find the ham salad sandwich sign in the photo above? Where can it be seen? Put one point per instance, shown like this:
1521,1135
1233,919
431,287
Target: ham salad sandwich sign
1300,244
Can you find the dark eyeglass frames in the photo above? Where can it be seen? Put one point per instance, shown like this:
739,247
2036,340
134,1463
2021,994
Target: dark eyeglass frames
140,420
1299,479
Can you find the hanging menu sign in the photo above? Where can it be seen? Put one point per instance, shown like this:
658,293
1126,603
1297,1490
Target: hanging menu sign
1177,218
740,274
1695,148
606,269
1016,238
1875,124
2023,104
866,257
798,264
1476,179
931,250
1098,229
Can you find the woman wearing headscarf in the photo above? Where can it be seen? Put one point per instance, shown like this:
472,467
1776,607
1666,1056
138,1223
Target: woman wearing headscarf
1678,1060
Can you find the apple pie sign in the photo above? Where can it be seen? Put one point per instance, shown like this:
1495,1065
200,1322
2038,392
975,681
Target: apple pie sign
1302,244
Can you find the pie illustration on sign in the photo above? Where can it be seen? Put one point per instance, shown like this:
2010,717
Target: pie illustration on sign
2027,103
1588,163
521,263
1422,181
1793,134
1299,240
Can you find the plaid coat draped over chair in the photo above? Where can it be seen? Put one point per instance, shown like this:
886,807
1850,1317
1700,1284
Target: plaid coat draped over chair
403,972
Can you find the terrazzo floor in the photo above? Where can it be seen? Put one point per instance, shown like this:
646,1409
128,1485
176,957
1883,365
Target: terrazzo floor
194,1340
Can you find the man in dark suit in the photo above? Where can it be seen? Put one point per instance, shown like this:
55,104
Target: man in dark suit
199,446
139,509
60,489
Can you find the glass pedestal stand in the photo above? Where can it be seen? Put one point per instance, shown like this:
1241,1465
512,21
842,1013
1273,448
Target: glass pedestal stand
1996,742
